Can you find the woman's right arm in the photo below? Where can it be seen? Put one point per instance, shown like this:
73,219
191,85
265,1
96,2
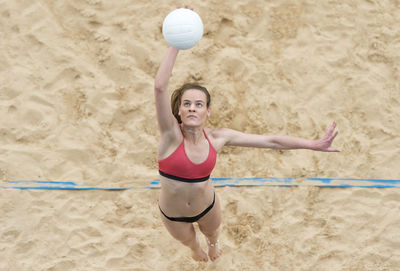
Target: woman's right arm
166,121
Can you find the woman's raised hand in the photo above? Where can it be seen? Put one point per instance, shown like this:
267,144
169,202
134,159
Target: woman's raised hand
325,143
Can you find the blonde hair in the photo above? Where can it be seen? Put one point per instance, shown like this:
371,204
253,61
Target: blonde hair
176,98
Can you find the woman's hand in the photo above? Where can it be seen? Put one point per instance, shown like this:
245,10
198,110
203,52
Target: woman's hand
186,6
325,143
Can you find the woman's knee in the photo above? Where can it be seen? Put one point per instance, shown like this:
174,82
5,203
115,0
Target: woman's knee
184,235
188,240
209,232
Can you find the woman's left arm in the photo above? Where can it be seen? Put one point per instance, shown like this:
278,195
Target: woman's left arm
236,138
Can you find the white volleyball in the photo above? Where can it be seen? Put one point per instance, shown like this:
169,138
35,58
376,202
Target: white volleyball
182,28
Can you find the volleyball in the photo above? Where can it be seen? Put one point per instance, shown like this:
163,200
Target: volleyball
182,28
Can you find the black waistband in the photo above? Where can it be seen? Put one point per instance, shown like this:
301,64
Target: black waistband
190,219
176,178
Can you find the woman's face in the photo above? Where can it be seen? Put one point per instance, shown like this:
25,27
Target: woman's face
193,109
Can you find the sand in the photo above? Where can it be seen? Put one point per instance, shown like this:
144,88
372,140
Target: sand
76,104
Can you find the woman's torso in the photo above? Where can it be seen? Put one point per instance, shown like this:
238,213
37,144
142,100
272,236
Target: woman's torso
186,198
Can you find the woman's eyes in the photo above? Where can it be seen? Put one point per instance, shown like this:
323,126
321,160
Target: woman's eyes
198,105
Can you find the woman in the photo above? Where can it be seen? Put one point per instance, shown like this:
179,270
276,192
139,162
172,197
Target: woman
187,155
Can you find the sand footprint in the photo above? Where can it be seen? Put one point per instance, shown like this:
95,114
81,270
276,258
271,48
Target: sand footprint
232,66
75,104
10,236
24,247
238,233
8,93
286,20
32,117
226,33
232,207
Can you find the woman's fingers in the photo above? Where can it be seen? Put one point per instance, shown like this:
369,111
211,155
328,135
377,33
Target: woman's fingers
333,137
331,128
186,6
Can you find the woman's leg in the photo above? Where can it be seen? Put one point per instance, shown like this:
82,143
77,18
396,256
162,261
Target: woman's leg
209,226
185,233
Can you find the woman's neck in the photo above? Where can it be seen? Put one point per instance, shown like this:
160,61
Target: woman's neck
193,134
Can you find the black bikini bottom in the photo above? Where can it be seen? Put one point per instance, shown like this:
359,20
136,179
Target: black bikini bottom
190,219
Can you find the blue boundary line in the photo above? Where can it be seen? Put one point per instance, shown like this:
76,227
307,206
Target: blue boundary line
329,180
288,182
56,185
374,183
221,182
44,182
64,188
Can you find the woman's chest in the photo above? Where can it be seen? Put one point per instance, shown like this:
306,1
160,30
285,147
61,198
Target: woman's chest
197,153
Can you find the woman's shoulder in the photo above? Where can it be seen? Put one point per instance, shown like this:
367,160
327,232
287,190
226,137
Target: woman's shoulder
217,136
218,132
214,132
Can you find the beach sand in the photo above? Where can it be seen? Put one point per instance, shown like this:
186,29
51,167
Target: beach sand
77,104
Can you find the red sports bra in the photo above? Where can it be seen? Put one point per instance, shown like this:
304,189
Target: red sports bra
178,166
